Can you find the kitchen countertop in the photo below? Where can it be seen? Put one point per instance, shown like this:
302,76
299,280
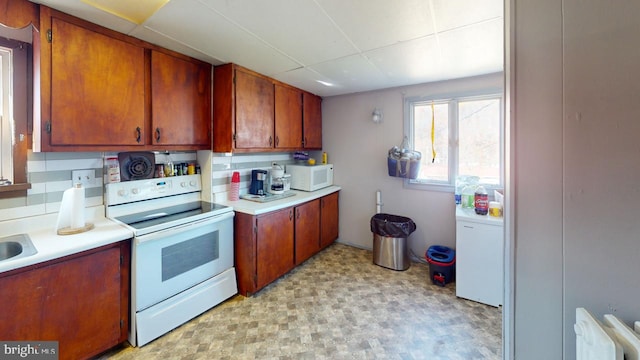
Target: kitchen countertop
257,208
470,215
50,245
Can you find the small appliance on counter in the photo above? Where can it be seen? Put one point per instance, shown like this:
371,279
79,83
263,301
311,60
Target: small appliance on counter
277,180
257,182
310,177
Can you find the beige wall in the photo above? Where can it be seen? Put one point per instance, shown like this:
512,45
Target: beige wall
358,149
576,175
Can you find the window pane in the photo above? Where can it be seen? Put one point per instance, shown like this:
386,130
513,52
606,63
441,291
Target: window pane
479,139
437,170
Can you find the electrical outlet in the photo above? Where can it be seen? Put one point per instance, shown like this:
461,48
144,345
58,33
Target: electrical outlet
85,177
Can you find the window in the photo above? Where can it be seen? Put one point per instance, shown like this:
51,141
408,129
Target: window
467,133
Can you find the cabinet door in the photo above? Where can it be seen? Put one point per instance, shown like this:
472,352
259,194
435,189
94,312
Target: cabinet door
180,101
479,269
97,88
254,112
312,121
274,246
76,302
307,230
288,117
329,217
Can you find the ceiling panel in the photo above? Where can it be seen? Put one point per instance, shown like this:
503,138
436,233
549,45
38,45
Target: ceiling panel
190,21
89,13
357,45
376,23
409,62
308,36
454,14
468,51
355,73
308,79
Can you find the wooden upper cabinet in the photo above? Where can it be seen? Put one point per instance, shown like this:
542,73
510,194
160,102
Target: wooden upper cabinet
105,91
312,121
288,117
243,110
180,101
254,113
18,13
97,88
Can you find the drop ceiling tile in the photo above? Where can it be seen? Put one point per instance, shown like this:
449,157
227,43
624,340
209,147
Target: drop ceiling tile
355,73
190,21
376,23
409,62
454,14
153,37
473,50
89,13
309,80
297,28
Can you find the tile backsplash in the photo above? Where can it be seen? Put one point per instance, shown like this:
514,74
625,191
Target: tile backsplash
50,175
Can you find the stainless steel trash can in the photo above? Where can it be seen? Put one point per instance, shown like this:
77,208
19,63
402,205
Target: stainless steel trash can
390,240
391,252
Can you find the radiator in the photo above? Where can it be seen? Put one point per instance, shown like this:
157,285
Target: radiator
611,339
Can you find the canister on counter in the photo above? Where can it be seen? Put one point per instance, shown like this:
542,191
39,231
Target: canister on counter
495,209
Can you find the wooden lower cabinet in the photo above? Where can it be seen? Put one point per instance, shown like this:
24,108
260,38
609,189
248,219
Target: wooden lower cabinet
81,301
329,215
307,226
269,245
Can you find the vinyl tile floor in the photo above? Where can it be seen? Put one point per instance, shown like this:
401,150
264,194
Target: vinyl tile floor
337,305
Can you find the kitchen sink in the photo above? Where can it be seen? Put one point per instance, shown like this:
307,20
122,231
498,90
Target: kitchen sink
16,246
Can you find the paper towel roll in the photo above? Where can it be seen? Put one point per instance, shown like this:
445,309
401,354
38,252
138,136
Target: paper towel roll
71,213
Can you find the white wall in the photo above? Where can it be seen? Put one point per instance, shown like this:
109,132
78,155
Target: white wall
577,178
358,149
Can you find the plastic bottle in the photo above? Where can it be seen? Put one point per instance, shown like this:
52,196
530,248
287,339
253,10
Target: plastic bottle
460,183
481,201
467,197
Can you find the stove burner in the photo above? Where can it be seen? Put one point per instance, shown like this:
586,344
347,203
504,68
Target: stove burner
136,165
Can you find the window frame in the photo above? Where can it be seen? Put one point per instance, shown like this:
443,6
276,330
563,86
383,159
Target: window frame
452,99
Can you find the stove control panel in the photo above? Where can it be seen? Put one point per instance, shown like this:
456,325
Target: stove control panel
138,190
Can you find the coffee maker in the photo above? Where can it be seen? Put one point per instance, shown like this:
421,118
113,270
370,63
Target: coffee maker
257,182
276,181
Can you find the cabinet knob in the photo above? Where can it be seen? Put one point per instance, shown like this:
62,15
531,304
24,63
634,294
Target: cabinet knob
138,134
157,134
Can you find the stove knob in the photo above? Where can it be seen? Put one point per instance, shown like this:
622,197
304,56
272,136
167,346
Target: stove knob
183,184
122,192
192,183
135,190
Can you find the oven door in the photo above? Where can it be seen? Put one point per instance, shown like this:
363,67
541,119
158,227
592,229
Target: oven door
168,262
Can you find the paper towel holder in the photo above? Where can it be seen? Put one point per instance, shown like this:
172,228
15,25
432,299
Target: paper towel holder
71,231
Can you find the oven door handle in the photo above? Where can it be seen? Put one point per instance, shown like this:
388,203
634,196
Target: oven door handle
180,228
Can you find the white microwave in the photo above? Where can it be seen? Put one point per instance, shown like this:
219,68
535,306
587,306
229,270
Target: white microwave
310,177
